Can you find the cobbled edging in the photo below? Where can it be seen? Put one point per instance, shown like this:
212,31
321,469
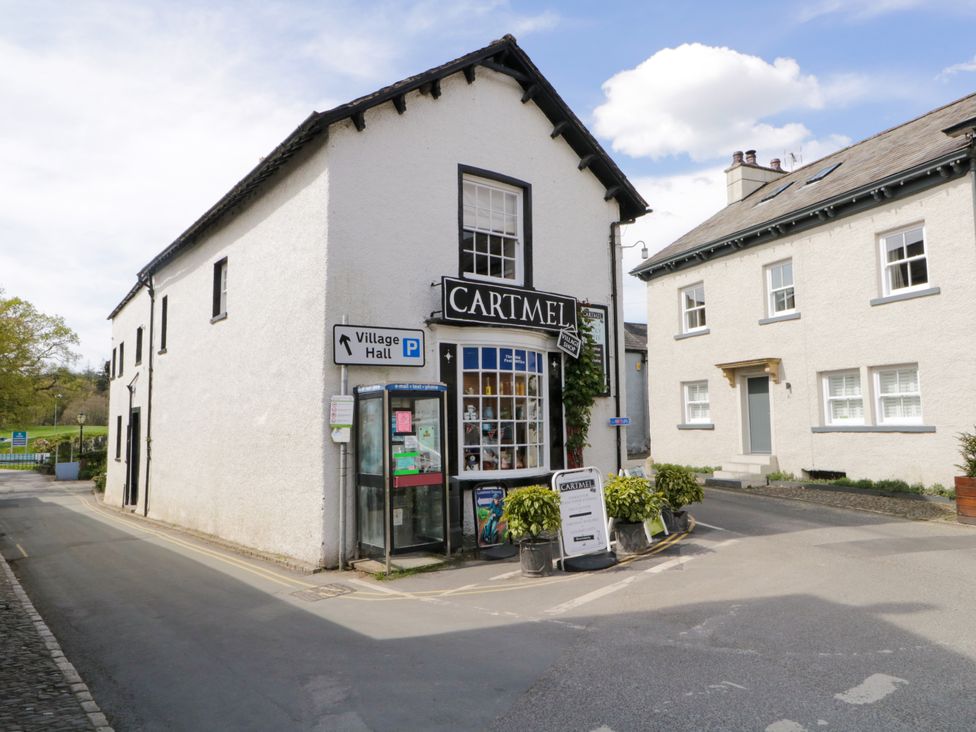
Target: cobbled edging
78,687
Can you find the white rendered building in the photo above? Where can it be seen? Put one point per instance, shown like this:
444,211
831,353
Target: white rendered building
821,323
467,203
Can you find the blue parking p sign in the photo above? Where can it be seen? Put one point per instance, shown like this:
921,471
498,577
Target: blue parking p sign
411,347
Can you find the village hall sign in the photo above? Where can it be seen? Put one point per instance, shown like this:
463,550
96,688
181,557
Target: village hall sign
479,302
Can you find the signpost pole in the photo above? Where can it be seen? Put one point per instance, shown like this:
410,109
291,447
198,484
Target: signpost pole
343,456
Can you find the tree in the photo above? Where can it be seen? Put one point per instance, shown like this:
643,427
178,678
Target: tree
34,348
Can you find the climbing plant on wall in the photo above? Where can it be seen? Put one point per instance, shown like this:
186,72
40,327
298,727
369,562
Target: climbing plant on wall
583,382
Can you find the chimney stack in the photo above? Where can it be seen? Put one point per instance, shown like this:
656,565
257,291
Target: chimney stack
745,175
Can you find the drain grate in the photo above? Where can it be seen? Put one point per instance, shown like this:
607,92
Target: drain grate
322,592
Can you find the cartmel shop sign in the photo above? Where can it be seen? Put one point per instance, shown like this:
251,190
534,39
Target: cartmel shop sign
466,301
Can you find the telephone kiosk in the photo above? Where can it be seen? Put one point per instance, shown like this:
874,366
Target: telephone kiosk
401,469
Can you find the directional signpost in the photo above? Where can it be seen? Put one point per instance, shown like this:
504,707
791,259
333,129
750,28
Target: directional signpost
365,345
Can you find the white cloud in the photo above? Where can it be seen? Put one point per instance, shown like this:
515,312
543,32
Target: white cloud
965,67
124,122
705,102
680,203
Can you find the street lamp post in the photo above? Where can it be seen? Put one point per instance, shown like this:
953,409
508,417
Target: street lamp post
56,397
81,433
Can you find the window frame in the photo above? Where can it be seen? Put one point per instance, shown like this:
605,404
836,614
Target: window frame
121,358
163,322
542,396
879,397
771,292
118,437
685,311
829,419
138,346
887,289
219,289
523,256
687,402
113,363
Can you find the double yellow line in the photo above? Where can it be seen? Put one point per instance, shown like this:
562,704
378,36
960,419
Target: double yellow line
295,583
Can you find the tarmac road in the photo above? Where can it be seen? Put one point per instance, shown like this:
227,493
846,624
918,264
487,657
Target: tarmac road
774,615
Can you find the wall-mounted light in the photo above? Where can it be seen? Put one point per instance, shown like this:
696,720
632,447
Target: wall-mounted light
643,252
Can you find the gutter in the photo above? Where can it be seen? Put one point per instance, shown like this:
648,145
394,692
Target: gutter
152,320
808,217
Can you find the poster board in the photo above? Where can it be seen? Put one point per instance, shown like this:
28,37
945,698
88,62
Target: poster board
598,319
490,528
583,511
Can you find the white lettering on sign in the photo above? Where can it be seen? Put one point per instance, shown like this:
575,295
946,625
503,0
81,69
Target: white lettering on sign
479,302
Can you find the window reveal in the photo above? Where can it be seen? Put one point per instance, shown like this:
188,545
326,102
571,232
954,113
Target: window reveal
503,410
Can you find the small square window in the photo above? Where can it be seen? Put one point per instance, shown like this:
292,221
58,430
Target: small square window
899,397
781,294
697,409
693,308
904,261
843,403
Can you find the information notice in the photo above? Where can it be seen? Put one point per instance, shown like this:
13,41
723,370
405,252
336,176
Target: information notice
584,513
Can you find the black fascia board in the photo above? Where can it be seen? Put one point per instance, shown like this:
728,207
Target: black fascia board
911,181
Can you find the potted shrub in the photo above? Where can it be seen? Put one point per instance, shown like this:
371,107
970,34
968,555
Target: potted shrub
680,487
966,483
532,515
630,502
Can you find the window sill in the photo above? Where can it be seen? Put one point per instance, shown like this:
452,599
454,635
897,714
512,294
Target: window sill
138,363
682,336
118,460
874,428
161,351
218,318
694,426
779,318
905,296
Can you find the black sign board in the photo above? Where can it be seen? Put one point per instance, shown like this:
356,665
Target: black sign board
570,343
467,301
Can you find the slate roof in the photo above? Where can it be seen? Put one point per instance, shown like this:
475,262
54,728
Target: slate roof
503,56
635,336
874,168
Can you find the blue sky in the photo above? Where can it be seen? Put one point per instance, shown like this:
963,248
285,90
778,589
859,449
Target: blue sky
124,121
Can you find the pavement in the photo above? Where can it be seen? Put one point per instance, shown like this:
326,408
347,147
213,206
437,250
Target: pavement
41,690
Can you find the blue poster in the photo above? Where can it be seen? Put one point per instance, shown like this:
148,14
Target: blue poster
488,505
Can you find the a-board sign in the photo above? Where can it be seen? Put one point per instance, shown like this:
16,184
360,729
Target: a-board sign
583,511
19,439
365,345
569,342
619,421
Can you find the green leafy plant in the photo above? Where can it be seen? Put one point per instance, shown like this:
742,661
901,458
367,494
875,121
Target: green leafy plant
99,480
967,449
678,484
630,498
583,382
531,510
780,475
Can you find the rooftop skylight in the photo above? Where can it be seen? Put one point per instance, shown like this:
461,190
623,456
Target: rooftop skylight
823,173
776,192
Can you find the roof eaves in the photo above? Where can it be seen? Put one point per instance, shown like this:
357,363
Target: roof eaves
879,191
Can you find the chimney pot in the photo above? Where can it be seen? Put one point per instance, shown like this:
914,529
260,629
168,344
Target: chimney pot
774,164
750,157
736,158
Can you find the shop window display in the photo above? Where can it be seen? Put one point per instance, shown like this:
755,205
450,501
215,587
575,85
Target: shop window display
502,420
